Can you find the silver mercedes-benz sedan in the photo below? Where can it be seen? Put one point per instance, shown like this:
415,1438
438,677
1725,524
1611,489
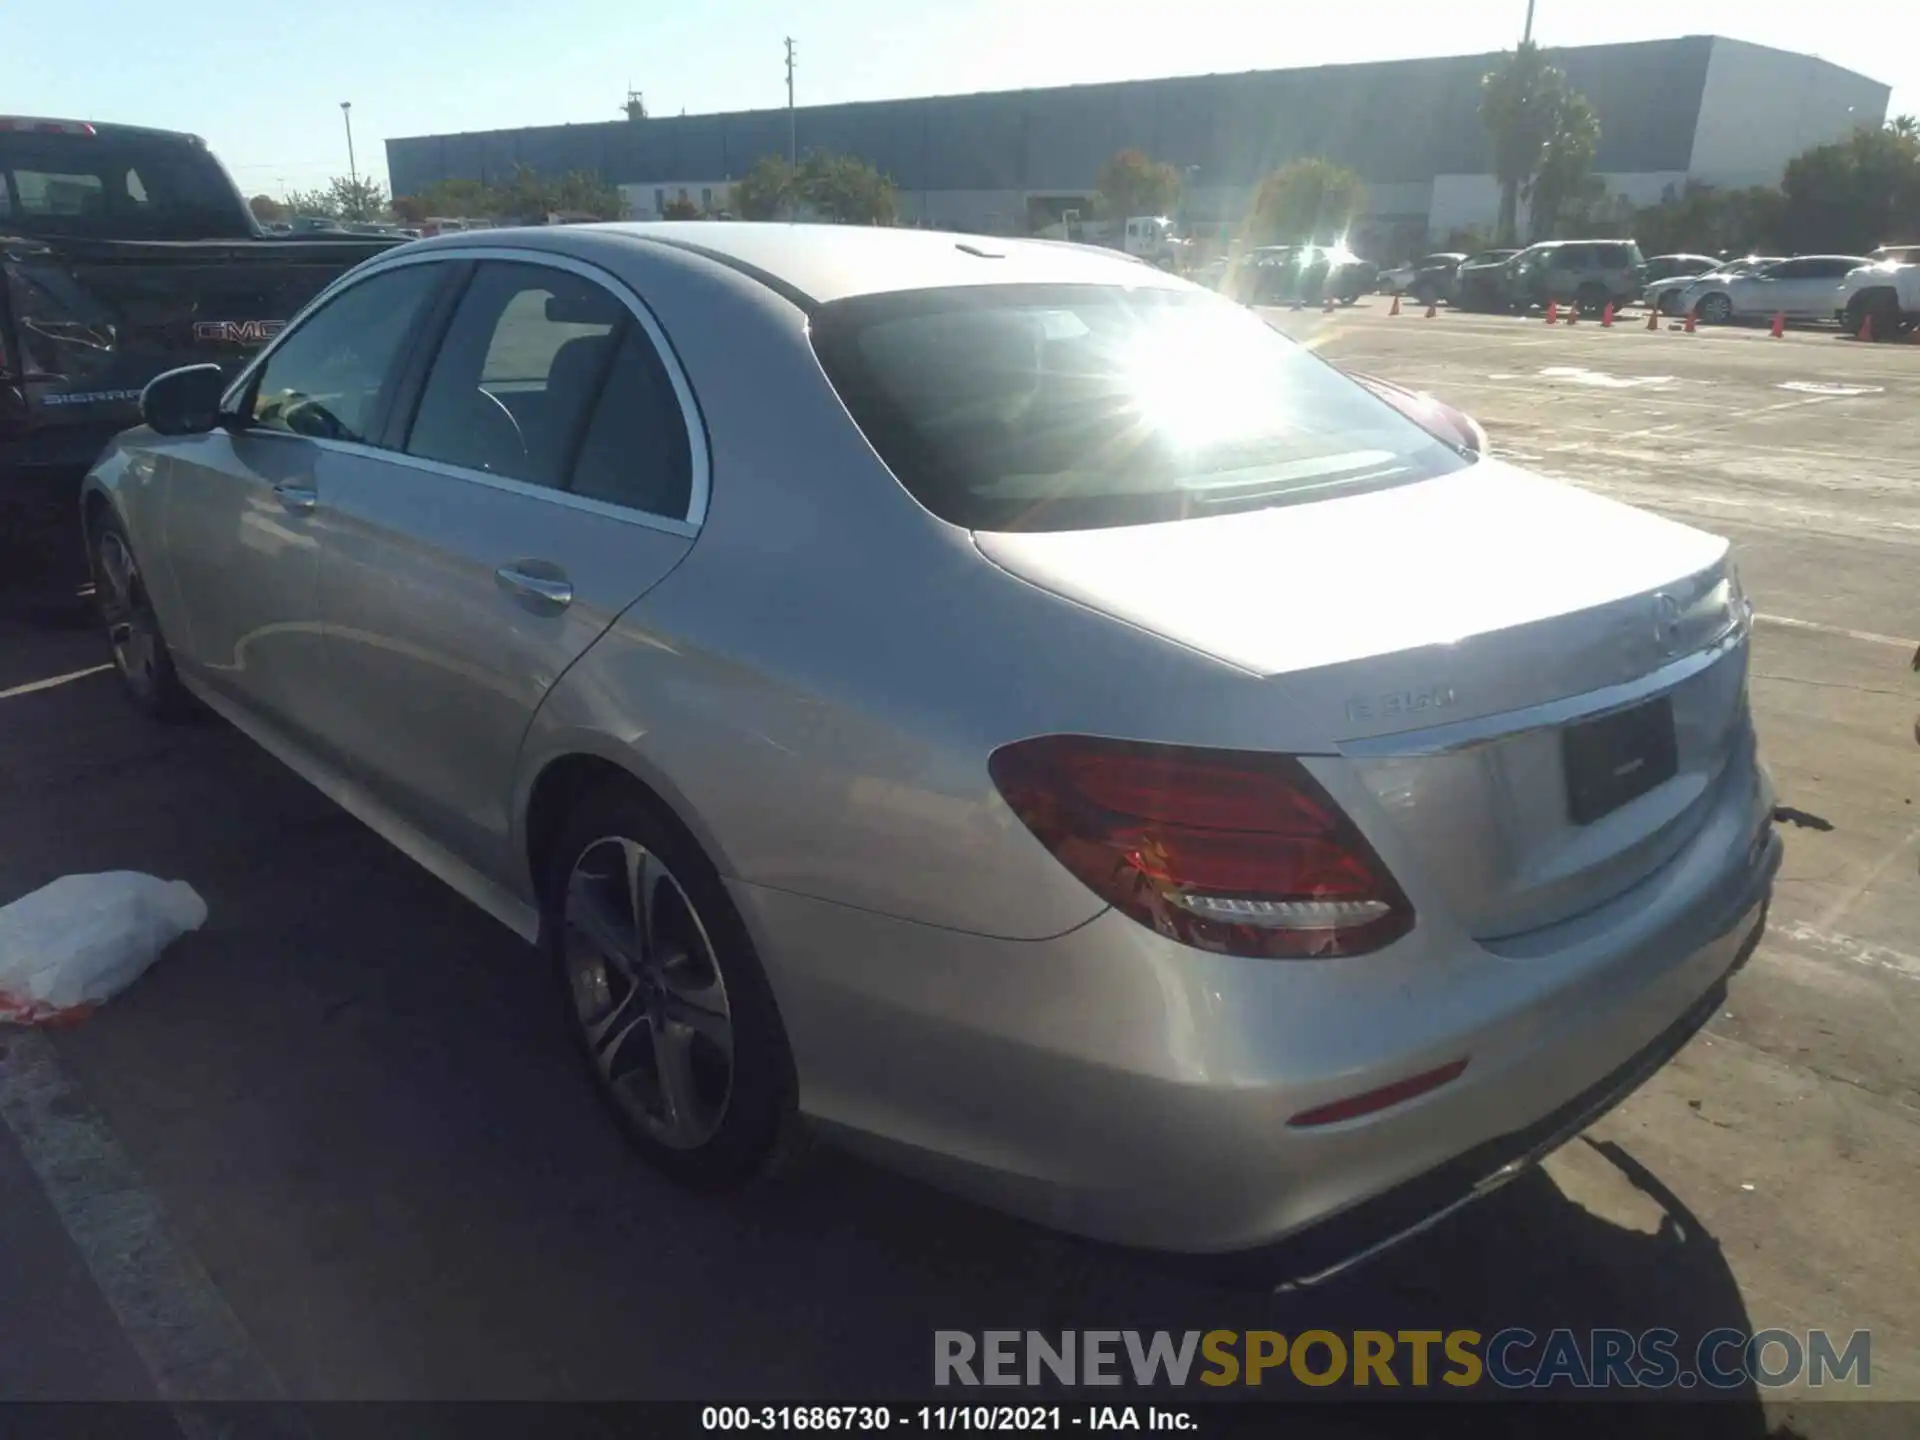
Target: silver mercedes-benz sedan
992,702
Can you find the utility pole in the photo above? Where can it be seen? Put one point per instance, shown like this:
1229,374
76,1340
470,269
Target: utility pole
793,147
353,171
1529,31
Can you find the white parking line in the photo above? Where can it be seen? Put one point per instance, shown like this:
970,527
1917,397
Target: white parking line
34,686
1867,637
173,1315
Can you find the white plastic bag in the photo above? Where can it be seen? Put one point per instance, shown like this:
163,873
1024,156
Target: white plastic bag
85,938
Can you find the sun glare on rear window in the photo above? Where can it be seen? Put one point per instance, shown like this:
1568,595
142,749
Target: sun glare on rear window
1031,407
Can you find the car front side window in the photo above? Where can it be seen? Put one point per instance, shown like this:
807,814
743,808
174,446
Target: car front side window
326,378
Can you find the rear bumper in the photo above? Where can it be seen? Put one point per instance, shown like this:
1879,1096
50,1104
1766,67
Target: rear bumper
1112,1083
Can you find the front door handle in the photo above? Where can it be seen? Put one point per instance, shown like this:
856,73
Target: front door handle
544,590
296,499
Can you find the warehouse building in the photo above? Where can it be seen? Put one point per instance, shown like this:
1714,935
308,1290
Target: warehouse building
1702,107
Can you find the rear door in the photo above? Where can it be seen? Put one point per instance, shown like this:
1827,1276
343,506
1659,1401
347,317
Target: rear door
241,540
551,471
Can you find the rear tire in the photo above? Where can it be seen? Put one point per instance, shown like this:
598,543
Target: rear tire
141,656
674,1015
1715,309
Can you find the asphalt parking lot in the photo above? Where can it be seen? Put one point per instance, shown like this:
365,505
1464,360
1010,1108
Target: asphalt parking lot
346,1132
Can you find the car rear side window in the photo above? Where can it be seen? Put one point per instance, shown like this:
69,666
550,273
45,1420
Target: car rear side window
521,362
1043,407
636,451
326,378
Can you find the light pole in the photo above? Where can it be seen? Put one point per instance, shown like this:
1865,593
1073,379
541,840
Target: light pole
353,171
1528,33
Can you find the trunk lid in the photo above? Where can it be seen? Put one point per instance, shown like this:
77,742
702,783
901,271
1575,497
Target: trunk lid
1445,638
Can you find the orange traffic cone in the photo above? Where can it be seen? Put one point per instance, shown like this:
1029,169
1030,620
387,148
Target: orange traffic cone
1606,317
1396,307
1653,318
1573,313
1553,312
1779,323
1688,327
1866,329
1433,309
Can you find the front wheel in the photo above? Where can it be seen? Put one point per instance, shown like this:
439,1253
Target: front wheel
669,1003
140,654
1715,309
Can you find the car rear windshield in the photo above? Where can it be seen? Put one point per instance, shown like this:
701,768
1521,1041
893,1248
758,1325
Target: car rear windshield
1031,407
115,187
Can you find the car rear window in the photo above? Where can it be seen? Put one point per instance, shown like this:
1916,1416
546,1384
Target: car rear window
116,187
1030,407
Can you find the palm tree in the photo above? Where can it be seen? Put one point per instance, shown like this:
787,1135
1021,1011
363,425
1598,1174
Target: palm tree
1905,126
1516,105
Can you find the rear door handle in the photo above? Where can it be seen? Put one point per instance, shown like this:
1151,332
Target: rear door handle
541,593
297,499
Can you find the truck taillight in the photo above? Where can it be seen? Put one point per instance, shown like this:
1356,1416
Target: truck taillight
1240,853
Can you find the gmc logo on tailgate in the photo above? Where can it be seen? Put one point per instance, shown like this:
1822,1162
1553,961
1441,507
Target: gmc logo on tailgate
237,332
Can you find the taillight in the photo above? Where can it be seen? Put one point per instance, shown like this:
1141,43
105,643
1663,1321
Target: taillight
1244,854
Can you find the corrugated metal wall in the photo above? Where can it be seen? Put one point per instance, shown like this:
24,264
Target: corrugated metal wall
1393,123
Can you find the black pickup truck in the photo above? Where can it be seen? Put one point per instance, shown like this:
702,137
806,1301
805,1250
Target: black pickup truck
124,252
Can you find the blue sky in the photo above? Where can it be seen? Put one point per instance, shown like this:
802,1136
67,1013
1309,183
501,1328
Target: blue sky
264,84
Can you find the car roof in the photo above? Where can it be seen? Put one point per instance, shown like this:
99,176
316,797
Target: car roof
818,264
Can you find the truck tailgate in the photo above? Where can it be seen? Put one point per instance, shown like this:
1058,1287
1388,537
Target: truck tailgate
86,323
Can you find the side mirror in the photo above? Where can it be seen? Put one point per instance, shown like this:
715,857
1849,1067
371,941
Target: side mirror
184,401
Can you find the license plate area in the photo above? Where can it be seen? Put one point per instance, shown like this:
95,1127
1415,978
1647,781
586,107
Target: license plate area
1618,758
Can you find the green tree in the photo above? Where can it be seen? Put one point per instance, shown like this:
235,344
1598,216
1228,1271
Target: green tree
312,202
1564,179
769,191
1706,219
1310,199
680,208
265,208
581,192
1905,126
1519,105
356,199
845,190
1852,195
456,199
1131,184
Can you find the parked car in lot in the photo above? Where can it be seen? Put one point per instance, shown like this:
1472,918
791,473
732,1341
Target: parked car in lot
124,252
1587,273
1668,267
857,658
1886,292
1482,281
1286,274
1426,279
1664,295
1801,288
1898,254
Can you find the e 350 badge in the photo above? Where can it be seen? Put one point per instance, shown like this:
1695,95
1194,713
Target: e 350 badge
1401,702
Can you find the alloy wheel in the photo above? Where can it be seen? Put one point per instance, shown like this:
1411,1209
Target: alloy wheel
124,610
648,992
